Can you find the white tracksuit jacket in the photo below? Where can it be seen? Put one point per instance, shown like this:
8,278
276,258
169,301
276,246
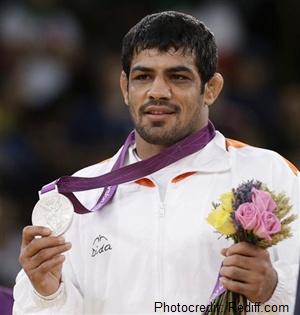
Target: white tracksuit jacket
140,249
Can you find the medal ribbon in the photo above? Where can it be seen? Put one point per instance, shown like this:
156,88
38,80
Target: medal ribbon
217,291
120,174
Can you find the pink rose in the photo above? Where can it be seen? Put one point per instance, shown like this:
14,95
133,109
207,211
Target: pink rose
268,224
248,215
263,200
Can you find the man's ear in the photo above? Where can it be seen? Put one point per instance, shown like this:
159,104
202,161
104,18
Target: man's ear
124,86
213,88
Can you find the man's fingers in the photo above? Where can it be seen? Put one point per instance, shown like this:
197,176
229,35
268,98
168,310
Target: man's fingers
30,232
244,249
243,262
224,251
234,286
50,264
37,276
38,244
235,273
249,290
46,254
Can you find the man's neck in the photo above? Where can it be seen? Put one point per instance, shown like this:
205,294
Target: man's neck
146,150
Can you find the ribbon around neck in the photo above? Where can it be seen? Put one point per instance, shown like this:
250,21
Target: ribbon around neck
120,174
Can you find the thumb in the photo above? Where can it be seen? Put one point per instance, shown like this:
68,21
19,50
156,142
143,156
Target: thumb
224,251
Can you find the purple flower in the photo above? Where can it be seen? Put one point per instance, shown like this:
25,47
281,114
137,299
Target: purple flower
243,193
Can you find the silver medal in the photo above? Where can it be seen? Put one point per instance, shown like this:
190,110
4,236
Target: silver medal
54,211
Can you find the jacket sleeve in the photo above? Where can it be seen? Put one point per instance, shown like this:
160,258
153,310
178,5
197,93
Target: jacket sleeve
67,300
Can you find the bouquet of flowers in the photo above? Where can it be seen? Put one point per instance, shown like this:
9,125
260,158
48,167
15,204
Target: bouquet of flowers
250,213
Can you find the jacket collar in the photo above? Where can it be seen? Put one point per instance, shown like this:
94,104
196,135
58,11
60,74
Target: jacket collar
212,158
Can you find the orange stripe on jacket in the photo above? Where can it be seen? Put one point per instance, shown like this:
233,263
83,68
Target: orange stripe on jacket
237,144
292,166
106,160
234,143
182,176
145,182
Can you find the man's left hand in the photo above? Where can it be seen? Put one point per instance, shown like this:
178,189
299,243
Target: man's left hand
247,270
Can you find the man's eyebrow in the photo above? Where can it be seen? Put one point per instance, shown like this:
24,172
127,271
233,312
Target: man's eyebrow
142,69
171,69
179,69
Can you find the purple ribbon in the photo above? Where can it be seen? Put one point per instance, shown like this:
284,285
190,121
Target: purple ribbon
217,291
6,301
119,174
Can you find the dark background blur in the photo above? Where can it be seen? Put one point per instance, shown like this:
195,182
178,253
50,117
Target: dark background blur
60,105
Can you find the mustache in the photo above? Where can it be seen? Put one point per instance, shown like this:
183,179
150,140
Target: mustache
173,107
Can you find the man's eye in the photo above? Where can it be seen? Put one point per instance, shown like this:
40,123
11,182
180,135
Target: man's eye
179,77
142,77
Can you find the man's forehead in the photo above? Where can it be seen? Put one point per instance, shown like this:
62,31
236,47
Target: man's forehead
172,55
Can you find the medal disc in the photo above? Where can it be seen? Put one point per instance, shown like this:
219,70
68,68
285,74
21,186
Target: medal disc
54,211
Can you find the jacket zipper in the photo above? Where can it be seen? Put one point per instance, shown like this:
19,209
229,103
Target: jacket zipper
160,239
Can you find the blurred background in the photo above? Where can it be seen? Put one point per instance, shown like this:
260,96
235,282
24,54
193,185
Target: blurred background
60,105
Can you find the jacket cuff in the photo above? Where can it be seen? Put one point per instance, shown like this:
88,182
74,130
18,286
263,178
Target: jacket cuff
54,296
280,294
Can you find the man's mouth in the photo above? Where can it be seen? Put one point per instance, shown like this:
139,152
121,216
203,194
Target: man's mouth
159,111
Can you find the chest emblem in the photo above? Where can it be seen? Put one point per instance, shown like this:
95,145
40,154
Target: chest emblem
100,245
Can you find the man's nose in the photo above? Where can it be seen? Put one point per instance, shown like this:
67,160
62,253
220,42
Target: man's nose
159,89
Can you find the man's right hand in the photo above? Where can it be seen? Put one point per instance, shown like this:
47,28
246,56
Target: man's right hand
42,259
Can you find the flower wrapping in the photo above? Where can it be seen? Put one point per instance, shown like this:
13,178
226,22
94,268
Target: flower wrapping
249,213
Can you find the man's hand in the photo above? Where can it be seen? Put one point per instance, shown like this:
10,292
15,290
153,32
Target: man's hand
41,258
247,269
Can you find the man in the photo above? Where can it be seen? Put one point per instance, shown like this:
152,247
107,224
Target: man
151,246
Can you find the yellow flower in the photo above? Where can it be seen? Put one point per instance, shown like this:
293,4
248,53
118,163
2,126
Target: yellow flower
226,201
221,221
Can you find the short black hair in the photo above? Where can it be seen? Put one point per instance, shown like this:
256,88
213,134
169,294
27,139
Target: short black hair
171,29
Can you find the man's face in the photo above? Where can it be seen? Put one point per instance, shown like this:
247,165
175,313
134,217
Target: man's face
164,96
